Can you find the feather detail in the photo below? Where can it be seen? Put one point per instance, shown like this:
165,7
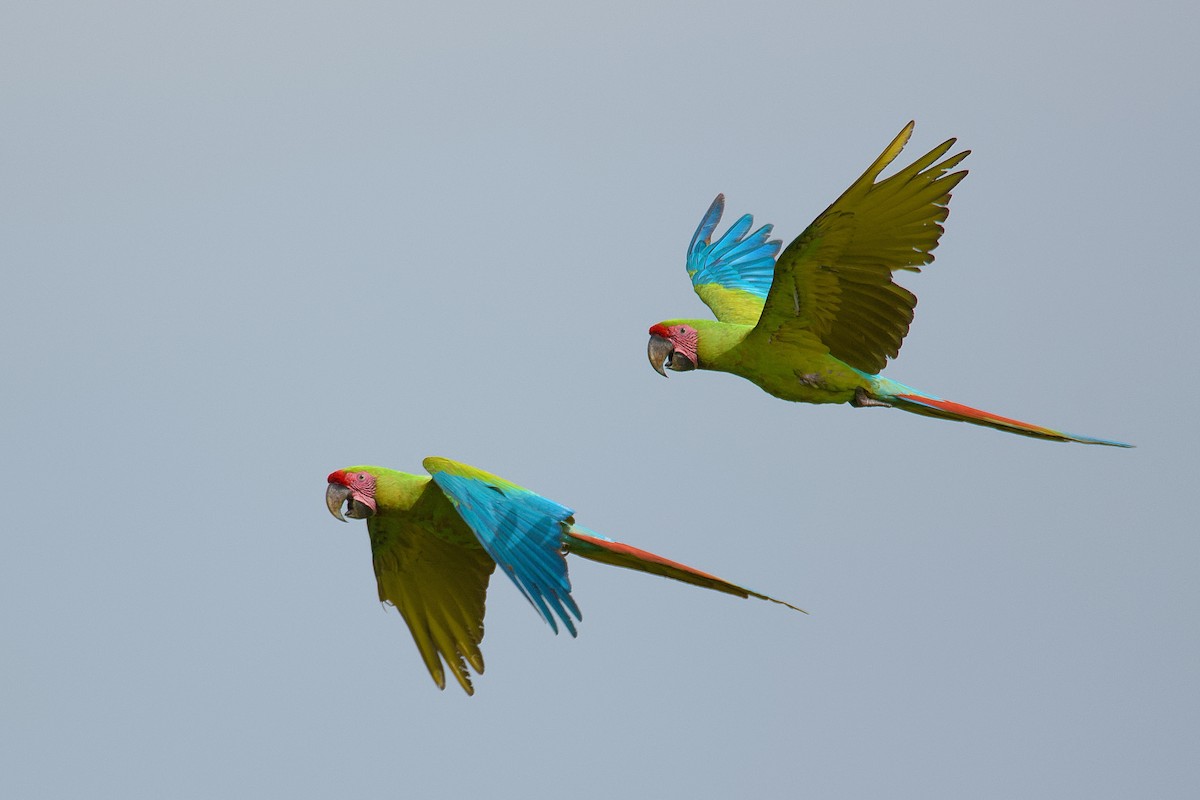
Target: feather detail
591,545
835,279
930,406
733,274
521,530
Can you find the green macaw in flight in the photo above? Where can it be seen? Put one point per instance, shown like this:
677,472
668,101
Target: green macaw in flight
436,539
818,325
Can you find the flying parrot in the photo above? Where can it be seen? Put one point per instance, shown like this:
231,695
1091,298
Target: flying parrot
435,541
817,325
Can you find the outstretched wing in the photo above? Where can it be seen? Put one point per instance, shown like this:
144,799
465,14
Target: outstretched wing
521,530
835,280
733,274
439,589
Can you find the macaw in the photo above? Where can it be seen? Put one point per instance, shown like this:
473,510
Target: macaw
817,325
435,541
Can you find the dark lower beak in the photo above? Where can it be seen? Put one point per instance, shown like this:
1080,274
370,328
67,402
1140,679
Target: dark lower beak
660,351
681,363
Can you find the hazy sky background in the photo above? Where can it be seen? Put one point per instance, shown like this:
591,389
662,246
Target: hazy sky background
245,244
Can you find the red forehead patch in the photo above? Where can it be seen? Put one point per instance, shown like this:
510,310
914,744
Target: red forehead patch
659,329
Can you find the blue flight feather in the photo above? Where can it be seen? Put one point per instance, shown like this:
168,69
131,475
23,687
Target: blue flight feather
731,238
522,531
736,260
707,225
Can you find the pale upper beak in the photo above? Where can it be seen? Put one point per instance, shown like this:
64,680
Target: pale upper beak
660,351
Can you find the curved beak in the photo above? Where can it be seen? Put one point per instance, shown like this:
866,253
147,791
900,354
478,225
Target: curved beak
335,496
660,351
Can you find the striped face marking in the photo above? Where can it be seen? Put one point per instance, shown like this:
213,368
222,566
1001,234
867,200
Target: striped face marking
354,488
674,346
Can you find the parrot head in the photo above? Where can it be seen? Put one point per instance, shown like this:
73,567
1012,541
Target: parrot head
356,489
673,345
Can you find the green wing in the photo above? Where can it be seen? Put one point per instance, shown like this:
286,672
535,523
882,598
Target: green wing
834,281
438,587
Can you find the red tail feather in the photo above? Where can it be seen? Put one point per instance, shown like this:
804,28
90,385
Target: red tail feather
947,409
623,555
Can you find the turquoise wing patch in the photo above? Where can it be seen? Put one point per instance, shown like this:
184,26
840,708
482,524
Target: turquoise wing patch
522,531
733,274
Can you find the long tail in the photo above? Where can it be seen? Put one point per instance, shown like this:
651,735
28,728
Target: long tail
591,545
909,399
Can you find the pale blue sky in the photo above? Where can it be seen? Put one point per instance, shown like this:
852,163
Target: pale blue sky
245,244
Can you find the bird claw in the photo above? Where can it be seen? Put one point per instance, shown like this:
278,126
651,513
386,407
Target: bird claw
864,400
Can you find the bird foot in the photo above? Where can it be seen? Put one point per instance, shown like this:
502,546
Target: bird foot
864,400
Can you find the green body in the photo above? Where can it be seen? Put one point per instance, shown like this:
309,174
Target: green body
415,503
431,567
795,366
